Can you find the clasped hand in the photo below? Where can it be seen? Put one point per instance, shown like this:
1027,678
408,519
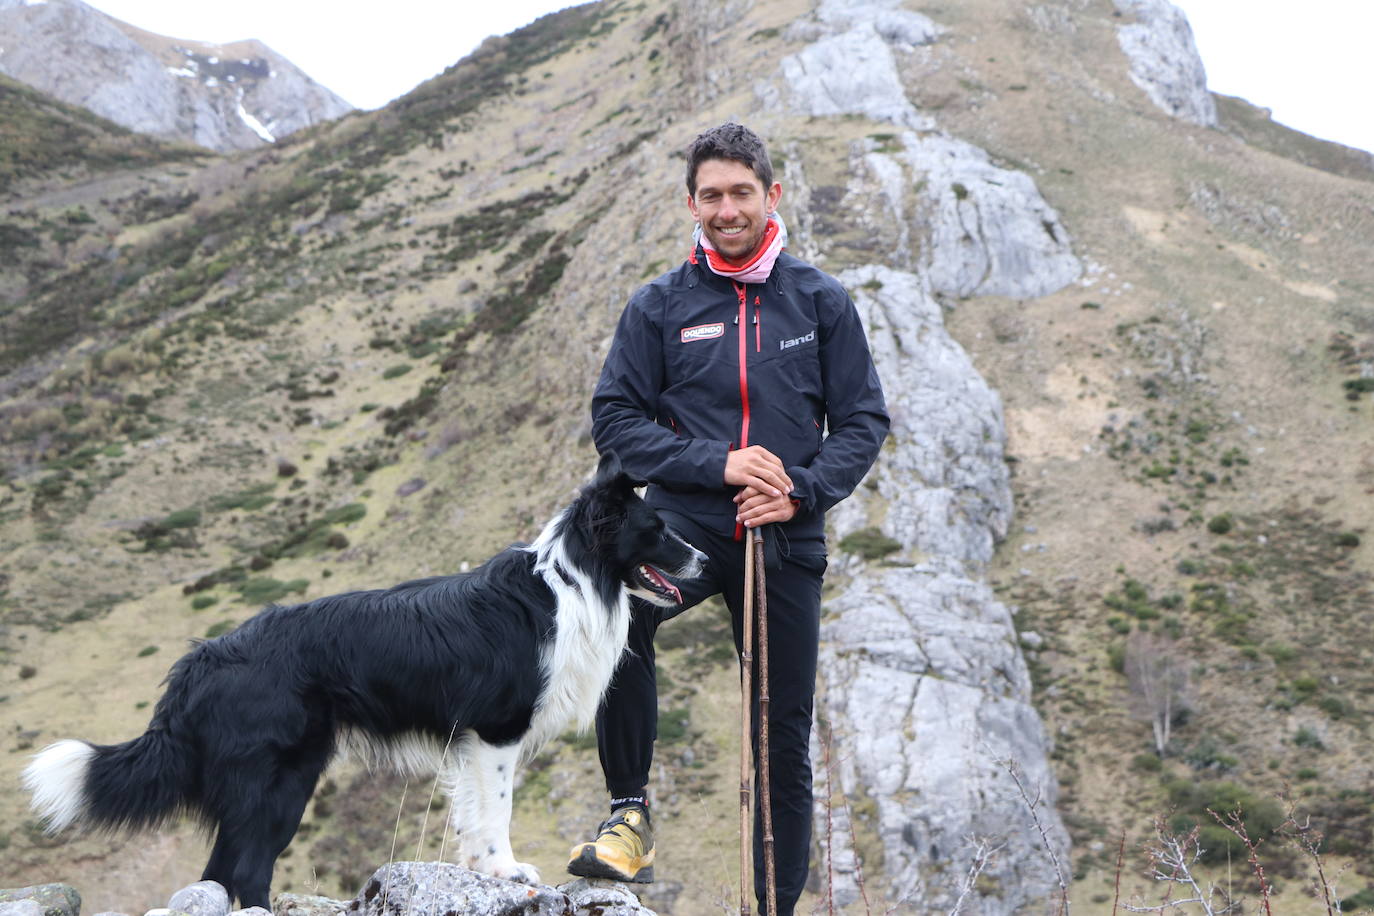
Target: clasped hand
765,485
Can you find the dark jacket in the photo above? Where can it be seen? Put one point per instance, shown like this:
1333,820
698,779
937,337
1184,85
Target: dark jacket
701,365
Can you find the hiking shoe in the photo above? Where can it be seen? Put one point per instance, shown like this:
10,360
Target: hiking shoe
622,851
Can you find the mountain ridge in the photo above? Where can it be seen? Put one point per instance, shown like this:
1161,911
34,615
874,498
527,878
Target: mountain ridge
224,97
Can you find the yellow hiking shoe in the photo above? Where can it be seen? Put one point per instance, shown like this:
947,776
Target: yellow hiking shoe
622,851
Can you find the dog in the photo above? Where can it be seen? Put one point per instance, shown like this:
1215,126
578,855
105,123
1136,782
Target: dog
466,674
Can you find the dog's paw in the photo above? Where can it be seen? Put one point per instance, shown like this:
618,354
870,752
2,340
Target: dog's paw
519,872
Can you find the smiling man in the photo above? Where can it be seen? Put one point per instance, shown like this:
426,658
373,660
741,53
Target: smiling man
740,385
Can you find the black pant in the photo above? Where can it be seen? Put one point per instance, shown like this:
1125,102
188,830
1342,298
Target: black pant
627,722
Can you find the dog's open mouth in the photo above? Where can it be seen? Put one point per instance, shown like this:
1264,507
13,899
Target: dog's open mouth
657,583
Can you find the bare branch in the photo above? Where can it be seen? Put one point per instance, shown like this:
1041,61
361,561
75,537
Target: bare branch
1171,859
983,851
1033,805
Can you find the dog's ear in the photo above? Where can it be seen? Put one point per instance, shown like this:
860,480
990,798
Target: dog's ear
610,471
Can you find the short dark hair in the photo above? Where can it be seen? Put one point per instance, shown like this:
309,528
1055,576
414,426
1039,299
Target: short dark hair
729,141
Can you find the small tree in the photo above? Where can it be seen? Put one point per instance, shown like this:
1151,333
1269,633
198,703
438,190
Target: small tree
1157,675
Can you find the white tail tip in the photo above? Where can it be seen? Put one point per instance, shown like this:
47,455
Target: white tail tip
57,780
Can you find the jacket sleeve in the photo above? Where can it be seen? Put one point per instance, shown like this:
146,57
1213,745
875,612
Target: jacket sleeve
856,412
625,408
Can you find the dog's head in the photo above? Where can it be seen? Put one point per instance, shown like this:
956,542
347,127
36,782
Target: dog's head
631,541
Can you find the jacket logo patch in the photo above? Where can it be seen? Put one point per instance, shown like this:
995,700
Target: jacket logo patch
703,332
790,342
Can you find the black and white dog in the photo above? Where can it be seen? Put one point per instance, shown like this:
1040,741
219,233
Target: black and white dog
463,674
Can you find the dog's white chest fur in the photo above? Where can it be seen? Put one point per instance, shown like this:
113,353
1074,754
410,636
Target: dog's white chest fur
580,660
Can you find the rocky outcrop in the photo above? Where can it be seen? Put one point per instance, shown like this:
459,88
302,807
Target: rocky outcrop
398,889
1164,60
926,696
848,66
224,97
40,900
987,230
422,887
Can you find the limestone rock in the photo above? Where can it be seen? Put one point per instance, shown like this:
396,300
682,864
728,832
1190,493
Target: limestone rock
852,72
417,887
204,898
926,688
1164,60
990,232
224,97
897,26
51,900
21,908
603,898
942,480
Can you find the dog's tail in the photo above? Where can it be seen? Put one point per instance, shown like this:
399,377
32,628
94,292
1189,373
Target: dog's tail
138,783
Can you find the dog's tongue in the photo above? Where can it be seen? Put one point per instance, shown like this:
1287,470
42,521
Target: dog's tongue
663,583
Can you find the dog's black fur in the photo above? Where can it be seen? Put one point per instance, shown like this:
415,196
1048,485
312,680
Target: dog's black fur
462,672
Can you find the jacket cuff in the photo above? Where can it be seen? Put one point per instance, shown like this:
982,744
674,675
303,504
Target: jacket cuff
803,488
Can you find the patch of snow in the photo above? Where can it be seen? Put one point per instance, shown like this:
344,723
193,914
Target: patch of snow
211,82
181,71
254,124
35,2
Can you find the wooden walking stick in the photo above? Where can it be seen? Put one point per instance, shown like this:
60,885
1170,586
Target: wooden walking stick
746,707
765,799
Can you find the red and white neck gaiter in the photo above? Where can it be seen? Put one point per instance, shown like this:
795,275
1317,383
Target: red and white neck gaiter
758,267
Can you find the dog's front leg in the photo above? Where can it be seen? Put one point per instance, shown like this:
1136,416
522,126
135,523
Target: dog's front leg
482,799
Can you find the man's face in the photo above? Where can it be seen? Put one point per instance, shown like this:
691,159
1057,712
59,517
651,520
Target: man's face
732,206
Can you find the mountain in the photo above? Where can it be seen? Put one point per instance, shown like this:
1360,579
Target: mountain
1113,565
223,97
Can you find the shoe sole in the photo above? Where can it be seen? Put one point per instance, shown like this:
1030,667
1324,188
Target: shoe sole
587,865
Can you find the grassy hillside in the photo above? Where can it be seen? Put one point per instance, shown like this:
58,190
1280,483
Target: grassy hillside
364,355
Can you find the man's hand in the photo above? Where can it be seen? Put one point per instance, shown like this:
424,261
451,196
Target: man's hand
757,508
759,468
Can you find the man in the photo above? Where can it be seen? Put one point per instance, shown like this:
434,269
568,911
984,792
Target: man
741,387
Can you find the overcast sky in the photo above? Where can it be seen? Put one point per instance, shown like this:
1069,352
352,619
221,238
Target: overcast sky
1309,62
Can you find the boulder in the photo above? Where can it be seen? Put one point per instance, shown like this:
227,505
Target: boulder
51,900
204,898
420,887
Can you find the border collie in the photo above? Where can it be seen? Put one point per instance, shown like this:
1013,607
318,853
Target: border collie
466,674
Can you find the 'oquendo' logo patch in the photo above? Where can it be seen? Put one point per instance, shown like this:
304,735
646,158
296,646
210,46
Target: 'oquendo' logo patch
703,332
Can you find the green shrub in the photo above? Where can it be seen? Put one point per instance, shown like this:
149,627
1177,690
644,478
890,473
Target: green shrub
1221,524
266,590
219,629
1194,800
1334,706
1147,763
1305,737
1280,653
397,371
1361,900
869,543
184,518
146,651
201,602
672,725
